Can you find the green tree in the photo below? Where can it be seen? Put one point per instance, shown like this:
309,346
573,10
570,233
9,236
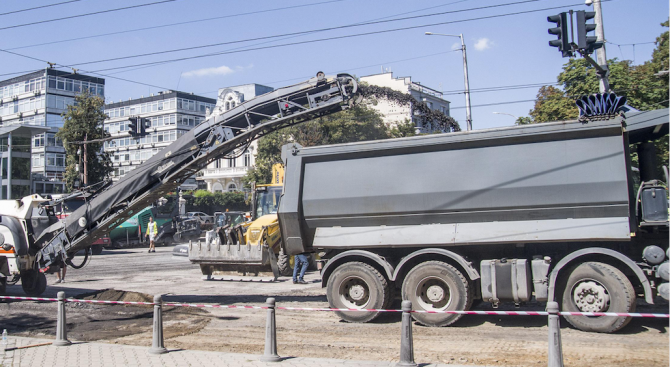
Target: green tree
83,120
552,105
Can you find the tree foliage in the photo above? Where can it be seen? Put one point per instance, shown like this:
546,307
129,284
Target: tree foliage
83,120
210,202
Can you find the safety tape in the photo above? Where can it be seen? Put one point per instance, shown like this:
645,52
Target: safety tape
108,302
489,313
213,306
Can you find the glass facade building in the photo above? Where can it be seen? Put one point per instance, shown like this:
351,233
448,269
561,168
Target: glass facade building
39,99
171,114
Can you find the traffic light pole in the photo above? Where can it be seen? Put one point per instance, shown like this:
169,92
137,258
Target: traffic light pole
600,53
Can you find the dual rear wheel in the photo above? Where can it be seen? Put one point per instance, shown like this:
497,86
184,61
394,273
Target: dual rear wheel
431,286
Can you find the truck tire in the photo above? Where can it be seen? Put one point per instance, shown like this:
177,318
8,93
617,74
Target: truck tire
436,286
598,287
357,285
284,264
3,286
33,282
96,249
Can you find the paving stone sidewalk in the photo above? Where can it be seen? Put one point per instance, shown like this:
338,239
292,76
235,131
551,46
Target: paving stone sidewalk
83,354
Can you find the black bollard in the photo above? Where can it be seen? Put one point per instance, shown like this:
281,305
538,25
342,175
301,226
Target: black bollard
61,323
406,343
555,356
157,345
270,354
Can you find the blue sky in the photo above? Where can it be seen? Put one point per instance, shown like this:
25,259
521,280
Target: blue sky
502,51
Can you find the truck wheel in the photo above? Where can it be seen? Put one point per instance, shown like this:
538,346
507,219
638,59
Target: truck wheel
33,282
3,286
436,286
357,285
96,249
598,287
284,264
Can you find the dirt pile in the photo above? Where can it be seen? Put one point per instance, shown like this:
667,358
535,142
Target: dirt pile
434,117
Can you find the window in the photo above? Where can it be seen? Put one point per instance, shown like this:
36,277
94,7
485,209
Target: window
55,159
38,160
232,187
231,162
38,141
247,158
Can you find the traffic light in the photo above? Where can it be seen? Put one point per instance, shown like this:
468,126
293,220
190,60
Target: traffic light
133,126
145,125
585,42
561,30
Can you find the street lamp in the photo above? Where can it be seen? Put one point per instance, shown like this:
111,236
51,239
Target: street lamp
508,114
468,112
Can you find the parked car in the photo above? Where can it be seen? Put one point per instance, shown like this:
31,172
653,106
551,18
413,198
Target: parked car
202,217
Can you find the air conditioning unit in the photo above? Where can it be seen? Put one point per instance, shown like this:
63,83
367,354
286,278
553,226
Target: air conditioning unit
36,112
15,98
37,92
20,114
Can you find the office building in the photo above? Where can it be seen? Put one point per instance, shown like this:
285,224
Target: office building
171,114
37,100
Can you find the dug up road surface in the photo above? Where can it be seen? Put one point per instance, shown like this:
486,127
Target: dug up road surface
134,275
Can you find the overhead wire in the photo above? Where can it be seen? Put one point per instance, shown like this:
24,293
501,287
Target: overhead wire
330,38
175,24
374,22
86,14
38,7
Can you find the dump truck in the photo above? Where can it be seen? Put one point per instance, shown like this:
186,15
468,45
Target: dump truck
539,212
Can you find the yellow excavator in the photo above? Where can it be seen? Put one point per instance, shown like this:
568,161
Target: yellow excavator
251,247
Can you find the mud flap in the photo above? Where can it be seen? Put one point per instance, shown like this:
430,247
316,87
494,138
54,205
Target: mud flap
273,261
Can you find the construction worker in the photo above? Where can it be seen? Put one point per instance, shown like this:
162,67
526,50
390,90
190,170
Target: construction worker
152,231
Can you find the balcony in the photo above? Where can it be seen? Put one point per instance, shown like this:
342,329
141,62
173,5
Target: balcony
211,173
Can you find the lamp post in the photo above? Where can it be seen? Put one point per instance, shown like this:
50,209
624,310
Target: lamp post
508,114
468,112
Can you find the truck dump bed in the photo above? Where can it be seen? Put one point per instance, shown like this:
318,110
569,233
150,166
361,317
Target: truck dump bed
563,181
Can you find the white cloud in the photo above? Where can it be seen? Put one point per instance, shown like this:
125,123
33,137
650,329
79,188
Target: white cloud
219,70
483,44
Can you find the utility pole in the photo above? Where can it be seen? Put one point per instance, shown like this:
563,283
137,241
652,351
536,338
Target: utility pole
85,161
600,53
468,111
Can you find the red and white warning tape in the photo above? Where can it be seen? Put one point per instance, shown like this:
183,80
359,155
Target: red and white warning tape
29,298
108,302
489,313
213,306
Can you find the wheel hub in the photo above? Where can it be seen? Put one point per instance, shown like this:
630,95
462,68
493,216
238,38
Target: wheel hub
435,293
591,297
357,292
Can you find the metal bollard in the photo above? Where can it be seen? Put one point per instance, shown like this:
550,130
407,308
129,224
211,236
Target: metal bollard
270,354
406,343
157,345
555,356
61,323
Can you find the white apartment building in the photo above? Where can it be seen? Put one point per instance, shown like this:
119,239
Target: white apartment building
226,174
394,113
171,114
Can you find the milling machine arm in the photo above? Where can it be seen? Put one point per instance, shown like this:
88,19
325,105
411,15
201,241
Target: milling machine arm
219,135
